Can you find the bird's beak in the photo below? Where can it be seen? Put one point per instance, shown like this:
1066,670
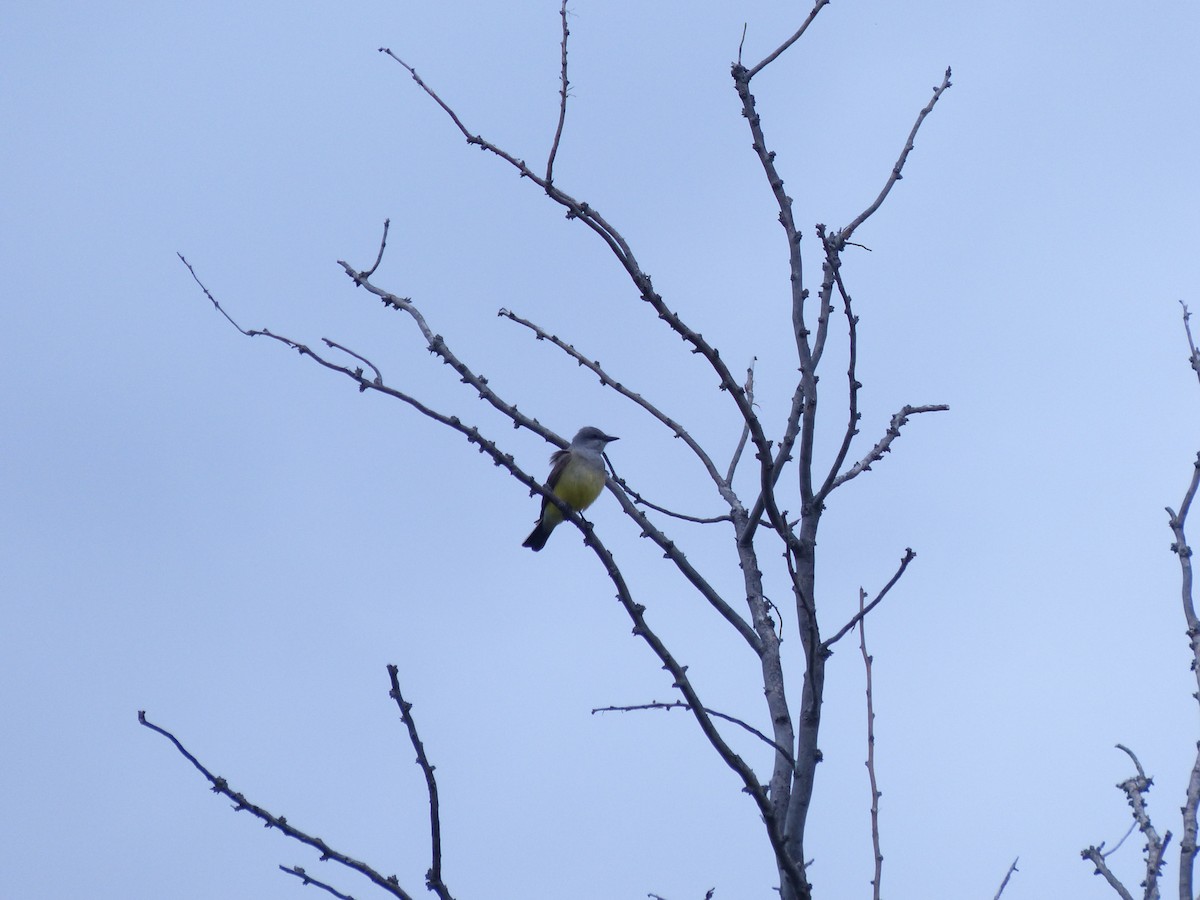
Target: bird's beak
609,438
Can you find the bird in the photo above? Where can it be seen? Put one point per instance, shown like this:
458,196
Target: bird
577,476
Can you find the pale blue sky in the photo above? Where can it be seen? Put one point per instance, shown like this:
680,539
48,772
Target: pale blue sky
216,531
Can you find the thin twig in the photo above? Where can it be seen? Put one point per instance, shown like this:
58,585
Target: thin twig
782,47
211,298
908,557
562,106
220,786
433,878
1007,875
608,381
308,879
382,245
334,345
1117,846
884,445
897,170
1194,354
683,517
834,263
748,387
679,704
875,792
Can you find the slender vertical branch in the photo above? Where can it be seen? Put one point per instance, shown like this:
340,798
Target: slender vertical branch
741,444
1177,522
1194,354
562,105
875,794
834,262
433,878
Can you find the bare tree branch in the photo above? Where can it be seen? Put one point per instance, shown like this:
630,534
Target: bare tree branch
1187,847
1135,789
220,786
433,878
308,879
562,106
1194,354
778,51
908,557
641,500
679,704
875,792
608,381
382,246
899,420
748,387
1007,875
897,170
834,266
1094,855
1177,522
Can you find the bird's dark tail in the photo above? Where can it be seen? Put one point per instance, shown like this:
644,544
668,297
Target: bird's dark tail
537,538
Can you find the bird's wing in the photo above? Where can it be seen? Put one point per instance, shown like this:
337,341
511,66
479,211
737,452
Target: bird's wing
558,462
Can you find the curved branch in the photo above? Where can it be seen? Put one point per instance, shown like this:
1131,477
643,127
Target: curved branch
221,786
433,878
844,235
679,704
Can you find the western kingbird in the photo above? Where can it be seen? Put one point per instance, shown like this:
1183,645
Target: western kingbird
577,476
